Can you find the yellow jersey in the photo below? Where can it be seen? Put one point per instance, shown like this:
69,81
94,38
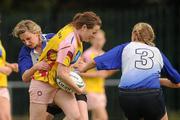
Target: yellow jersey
65,47
95,84
3,77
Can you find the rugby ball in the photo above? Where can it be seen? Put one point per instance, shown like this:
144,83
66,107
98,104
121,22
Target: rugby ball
76,79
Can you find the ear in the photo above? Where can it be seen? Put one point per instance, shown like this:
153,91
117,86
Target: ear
84,27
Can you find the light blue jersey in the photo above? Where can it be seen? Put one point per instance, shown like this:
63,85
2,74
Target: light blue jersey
141,65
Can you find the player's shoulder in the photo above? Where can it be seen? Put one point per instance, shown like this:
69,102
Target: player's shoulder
71,39
47,36
25,50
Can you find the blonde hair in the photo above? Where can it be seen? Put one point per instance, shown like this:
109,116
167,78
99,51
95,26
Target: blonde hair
26,26
144,33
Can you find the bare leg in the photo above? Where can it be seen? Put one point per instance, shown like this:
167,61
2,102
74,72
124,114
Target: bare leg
100,114
68,104
165,117
5,111
37,111
83,109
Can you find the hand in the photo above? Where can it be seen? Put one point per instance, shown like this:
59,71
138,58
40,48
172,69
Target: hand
14,67
178,85
42,66
81,66
81,90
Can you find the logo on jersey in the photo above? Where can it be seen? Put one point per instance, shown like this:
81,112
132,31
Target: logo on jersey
51,55
145,60
70,55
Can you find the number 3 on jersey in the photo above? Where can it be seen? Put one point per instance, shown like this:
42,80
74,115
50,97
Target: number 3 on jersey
145,60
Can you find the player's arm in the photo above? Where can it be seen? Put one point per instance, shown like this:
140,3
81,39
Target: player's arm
5,70
63,73
13,66
87,66
111,60
25,63
92,74
172,74
64,58
101,73
167,83
27,75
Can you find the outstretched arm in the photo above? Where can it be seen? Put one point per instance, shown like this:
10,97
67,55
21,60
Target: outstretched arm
83,67
5,70
13,66
101,73
171,73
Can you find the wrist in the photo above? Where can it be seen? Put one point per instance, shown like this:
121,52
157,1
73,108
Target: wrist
34,68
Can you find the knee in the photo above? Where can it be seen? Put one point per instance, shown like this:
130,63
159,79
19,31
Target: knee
75,116
105,117
101,116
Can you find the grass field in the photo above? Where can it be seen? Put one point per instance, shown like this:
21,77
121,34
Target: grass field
172,116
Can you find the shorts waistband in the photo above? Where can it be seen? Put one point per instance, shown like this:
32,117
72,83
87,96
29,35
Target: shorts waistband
140,90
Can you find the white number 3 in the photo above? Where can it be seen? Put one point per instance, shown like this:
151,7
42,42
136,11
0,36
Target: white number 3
145,58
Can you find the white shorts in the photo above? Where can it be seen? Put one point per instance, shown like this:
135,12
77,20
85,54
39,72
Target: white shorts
96,100
4,92
41,92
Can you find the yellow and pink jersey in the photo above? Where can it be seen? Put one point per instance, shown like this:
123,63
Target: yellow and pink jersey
3,77
65,48
95,84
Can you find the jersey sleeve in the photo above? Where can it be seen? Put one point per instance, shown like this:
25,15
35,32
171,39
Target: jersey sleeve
24,60
65,53
111,59
47,36
171,73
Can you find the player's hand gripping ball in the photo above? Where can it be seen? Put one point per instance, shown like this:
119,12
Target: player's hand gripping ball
76,79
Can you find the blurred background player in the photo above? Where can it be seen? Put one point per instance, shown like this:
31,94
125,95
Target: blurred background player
96,97
141,63
5,70
34,42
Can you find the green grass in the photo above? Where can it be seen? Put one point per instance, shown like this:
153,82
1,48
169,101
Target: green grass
174,115
171,115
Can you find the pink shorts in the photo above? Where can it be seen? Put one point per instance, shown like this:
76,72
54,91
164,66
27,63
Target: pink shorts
96,100
4,93
41,92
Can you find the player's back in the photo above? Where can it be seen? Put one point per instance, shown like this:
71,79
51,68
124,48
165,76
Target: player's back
141,66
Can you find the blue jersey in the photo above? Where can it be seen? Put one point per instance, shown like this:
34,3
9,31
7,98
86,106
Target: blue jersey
141,65
27,56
